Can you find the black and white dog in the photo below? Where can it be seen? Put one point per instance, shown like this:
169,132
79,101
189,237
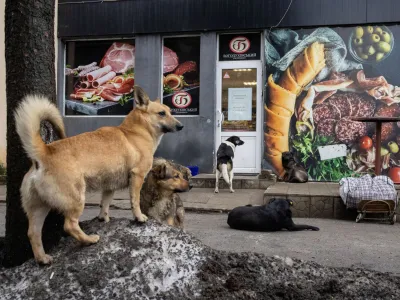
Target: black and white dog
225,154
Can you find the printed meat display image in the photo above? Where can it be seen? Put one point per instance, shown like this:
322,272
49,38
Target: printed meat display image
319,81
99,78
181,75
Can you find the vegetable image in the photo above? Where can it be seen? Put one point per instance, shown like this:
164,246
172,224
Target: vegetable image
365,143
321,170
394,174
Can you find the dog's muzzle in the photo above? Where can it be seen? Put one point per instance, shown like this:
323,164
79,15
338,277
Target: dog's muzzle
179,127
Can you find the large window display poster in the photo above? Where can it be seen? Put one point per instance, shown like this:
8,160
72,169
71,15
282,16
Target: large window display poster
319,81
99,77
181,75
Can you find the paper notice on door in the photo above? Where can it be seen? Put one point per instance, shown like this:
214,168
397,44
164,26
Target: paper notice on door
239,104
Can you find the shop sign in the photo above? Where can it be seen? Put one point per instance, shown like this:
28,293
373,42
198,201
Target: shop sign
239,46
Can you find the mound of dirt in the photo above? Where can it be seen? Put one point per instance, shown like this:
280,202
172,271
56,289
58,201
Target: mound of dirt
135,261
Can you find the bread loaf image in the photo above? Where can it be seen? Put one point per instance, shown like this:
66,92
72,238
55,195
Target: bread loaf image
282,100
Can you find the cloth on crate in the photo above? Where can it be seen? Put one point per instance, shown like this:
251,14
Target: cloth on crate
353,190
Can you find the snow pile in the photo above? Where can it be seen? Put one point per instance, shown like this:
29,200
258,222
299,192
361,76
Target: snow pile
130,259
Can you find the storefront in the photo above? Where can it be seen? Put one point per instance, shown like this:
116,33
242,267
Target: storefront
214,74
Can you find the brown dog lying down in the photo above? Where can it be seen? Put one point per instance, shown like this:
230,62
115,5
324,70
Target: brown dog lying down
295,173
159,195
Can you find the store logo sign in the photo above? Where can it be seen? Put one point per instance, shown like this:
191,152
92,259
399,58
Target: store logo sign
239,45
181,100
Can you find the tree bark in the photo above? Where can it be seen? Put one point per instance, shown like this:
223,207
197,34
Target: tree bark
29,49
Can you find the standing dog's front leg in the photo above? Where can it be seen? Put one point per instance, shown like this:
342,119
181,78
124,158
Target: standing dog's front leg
135,185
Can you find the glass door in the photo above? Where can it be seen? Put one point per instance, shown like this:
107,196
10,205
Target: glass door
239,106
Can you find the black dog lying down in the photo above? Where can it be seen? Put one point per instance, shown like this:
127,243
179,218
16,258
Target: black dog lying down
270,217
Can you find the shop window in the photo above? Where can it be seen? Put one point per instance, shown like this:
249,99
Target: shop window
99,77
181,75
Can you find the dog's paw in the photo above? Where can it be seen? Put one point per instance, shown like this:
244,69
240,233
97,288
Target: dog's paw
93,239
104,218
44,260
90,240
216,191
232,191
142,218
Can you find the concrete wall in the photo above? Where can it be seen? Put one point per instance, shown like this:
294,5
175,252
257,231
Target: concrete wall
194,145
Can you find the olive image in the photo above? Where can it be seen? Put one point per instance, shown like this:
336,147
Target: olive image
383,47
370,29
370,44
379,56
393,147
378,30
358,32
370,50
374,38
358,41
385,37
384,151
361,54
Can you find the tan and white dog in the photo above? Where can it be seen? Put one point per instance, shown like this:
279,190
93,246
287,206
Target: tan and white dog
107,159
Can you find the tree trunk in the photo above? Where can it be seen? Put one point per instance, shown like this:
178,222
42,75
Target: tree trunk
29,49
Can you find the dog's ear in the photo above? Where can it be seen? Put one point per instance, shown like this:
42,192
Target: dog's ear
141,98
188,173
160,171
157,100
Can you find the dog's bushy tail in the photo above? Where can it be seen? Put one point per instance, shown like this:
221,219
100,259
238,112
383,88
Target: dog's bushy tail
224,171
31,112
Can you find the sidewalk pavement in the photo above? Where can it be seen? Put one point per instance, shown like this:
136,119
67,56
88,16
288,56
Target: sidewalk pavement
197,199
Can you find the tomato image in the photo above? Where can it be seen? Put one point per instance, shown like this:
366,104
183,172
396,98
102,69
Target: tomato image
394,174
365,143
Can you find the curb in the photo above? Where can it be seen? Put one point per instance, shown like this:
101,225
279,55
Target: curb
187,209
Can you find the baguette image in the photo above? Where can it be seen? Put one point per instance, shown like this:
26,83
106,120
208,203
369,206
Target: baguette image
282,101
304,68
